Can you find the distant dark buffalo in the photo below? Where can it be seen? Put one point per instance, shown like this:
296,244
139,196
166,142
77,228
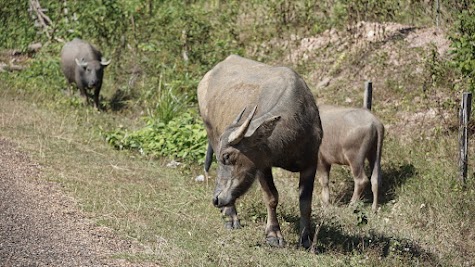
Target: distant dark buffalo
258,117
352,135
83,65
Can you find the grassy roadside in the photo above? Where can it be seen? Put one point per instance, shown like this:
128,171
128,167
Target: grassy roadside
171,215
141,199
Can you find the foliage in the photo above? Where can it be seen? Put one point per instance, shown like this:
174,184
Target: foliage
17,29
361,217
161,49
42,77
169,104
438,72
182,138
463,48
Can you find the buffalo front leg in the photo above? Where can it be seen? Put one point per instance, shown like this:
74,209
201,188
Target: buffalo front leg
83,94
271,198
307,179
231,219
96,97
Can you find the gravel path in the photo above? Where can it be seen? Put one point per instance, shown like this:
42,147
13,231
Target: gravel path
40,226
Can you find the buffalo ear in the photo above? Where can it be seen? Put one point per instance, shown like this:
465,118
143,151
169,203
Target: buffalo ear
263,130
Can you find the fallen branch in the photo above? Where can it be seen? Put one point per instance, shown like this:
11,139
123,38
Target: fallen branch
32,49
8,68
35,47
42,20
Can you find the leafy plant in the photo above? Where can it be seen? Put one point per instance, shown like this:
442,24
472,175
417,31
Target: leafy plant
361,217
183,137
17,29
463,48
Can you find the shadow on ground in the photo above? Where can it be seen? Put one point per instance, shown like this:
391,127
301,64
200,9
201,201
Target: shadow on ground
332,238
119,100
393,177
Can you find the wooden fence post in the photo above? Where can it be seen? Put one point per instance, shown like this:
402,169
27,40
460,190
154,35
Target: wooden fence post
368,95
437,12
465,109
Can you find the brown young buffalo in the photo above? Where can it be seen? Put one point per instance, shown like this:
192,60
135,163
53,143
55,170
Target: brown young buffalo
351,135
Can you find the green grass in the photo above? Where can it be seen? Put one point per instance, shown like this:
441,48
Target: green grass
169,213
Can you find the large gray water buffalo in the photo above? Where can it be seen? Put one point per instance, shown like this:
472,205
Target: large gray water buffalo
258,117
352,135
83,65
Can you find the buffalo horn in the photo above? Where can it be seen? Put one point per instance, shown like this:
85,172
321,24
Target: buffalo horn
105,62
237,135
238,118
81,63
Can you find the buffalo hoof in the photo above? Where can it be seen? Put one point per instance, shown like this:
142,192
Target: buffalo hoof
306,243
274,241
232,225
375,208
305,240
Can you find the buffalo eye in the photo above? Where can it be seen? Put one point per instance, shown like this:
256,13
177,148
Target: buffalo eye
226,159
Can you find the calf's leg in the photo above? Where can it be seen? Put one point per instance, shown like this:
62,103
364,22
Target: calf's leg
83,94
324,177
375,166
360,178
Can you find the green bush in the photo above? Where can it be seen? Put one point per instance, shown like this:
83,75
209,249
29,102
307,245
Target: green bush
17,28
42,76
182,138
463,49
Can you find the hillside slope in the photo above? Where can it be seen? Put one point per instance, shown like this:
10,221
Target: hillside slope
412,84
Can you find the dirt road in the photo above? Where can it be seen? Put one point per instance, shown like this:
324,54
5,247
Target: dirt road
40,226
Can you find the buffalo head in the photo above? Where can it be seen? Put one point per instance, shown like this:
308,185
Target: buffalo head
92,71
242,151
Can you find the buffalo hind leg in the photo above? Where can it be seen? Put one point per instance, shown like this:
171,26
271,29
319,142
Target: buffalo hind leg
375,167
324,177
306,183
361,181
271,198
